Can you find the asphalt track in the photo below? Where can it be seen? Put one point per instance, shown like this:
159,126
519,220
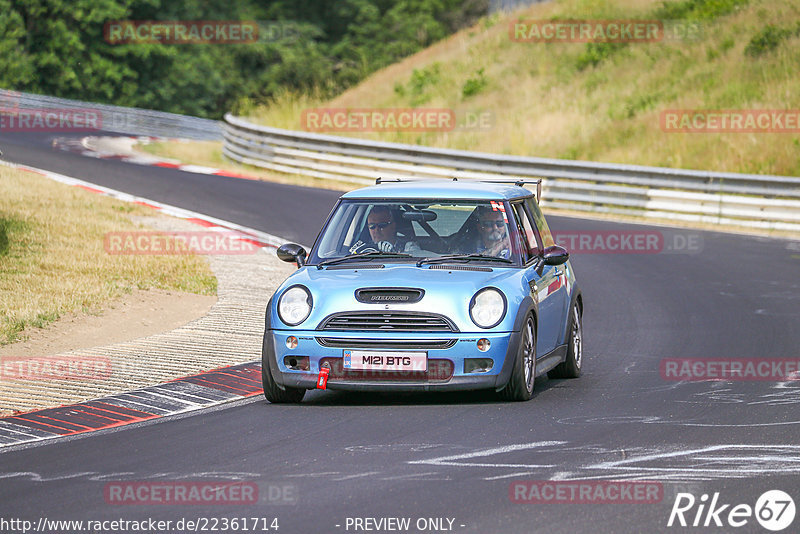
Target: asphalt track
340,456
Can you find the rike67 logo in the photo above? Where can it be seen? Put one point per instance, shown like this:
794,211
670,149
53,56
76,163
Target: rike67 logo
774,510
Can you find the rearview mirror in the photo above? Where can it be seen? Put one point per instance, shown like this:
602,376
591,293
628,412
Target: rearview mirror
419,216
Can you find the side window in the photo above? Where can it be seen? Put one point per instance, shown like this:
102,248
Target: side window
340,231
356,226
541,224
527,234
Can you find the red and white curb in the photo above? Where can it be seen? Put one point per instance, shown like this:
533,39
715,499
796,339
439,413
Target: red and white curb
183,395
250,235
87,146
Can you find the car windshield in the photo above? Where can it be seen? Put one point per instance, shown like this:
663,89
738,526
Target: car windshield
411,231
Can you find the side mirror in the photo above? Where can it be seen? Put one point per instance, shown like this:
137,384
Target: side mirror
555,255
292,253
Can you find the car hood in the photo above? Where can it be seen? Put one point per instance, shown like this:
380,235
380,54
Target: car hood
448,291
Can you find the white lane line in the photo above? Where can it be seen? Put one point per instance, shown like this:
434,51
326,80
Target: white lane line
36,477
675,454
453,460
511,475
415,476
357,475
323,473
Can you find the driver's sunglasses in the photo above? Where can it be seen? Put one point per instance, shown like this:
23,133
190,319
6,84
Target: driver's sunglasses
379,226
489,224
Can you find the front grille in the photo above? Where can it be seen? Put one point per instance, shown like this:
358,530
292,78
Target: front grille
387,321
347,343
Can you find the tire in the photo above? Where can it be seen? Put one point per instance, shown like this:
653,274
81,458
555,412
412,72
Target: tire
571,367
275,394
523,375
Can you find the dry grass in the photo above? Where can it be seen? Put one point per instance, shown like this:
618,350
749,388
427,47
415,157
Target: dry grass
209,153
543,104
52,259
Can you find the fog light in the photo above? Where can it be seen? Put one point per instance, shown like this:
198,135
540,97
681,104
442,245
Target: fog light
477,365
296,363
291,342
484,344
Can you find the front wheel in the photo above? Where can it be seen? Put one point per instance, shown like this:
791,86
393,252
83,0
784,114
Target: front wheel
275,394
520,385
571,367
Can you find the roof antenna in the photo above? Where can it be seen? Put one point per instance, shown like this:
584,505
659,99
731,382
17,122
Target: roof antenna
455,179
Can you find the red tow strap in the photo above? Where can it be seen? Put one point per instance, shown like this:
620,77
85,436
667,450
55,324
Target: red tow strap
322,379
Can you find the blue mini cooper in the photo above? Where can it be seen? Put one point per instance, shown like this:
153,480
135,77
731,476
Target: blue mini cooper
425,286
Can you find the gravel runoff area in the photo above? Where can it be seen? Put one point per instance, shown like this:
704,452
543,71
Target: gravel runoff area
229,334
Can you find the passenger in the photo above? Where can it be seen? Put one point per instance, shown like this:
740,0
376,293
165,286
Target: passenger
492,235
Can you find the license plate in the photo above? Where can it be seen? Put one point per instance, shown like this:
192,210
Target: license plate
360,360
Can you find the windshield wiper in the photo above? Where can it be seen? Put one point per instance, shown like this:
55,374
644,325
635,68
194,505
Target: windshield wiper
462,257
367,256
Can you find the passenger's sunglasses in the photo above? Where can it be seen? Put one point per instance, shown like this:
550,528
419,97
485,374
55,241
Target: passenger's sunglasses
379,226
489,224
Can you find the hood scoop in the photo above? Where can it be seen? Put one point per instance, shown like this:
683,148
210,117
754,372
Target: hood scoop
389,295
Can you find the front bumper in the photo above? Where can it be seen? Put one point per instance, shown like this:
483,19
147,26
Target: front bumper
446,352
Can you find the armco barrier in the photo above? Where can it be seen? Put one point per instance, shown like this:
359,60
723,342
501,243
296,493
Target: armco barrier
760,201
130,121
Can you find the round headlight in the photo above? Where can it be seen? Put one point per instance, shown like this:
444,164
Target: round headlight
294,305
487,308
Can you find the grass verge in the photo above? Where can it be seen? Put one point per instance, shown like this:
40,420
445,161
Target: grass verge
596,101
52,259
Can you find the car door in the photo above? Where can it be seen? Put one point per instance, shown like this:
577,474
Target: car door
545,281
556,289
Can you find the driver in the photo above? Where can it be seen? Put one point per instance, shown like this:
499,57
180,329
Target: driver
382,232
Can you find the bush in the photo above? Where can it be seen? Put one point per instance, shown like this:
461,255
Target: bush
697,9
3,237
475,85
421,80
766,40
595,53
